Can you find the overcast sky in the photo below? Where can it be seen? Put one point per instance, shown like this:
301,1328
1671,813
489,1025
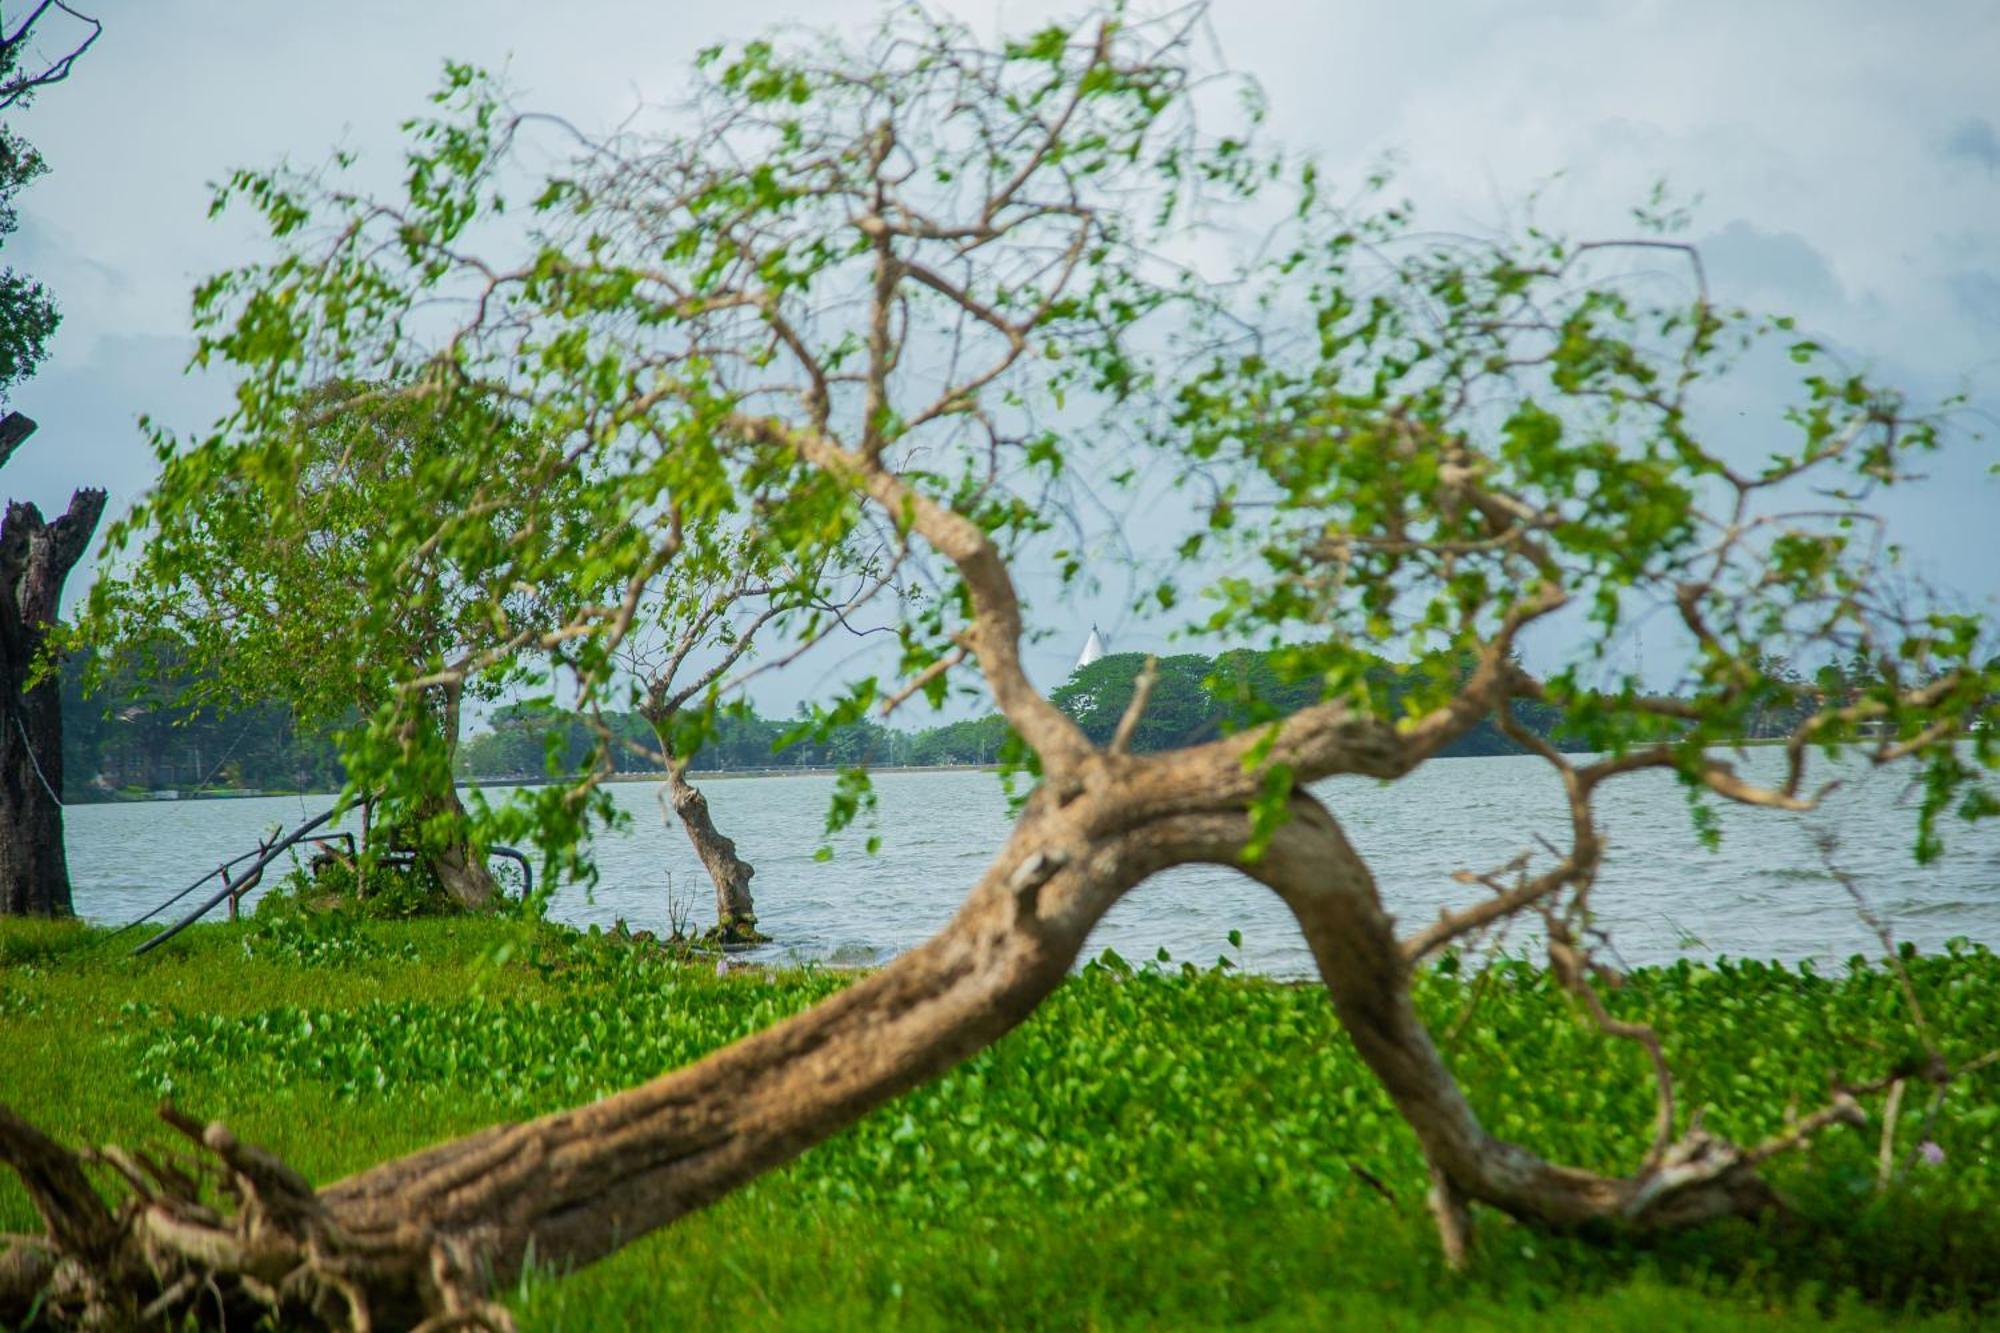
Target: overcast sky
1846,157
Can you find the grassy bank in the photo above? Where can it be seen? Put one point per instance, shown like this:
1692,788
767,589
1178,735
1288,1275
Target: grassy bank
1160,1146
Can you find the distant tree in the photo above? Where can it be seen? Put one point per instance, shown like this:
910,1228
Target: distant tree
1097,695
124,731
1194,698
973,741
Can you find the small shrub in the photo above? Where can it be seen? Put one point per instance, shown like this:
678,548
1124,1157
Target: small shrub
391,892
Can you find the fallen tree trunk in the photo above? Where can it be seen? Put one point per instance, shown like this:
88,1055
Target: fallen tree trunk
431,1235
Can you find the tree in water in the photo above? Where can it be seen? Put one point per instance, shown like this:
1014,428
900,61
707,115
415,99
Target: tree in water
667,684
675,690
918,284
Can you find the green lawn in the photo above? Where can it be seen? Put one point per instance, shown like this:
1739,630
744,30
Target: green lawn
1161,1146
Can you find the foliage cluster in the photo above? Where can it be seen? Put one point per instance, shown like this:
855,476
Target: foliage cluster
1144,1106
261,572
391,890
857,283
28,316
314,939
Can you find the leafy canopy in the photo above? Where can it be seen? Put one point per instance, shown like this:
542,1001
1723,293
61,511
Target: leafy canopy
849,287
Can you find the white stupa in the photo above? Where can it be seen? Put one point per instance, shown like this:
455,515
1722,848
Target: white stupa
1093,648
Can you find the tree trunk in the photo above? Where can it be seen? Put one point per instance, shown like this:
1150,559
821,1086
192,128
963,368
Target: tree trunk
34,871
735,913
459,865
35,559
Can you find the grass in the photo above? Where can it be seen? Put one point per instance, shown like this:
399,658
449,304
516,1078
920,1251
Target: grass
1161,1146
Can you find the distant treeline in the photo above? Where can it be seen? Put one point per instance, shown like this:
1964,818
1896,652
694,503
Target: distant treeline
1194,698
522,736
131,736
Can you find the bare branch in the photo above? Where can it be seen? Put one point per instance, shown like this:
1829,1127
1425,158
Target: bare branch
1142,691
24,85
921,679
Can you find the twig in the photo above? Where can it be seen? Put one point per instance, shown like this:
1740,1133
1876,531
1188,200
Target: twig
921,679
1885,1157
1142,691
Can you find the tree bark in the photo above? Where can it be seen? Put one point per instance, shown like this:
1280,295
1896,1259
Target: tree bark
459,865
735,912
35,558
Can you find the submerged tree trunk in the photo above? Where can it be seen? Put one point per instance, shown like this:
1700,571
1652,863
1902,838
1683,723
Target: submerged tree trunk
735,912
35,558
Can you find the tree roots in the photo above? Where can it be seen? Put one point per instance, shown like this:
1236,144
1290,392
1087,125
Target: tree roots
165,1255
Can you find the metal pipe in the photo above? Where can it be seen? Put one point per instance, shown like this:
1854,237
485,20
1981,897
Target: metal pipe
142,920
527,871
270,855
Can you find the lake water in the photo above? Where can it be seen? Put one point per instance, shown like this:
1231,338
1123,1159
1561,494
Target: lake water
1766,894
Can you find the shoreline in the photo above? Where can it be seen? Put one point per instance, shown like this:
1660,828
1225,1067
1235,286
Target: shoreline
169,796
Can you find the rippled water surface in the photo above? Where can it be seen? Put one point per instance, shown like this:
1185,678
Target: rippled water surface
1766,894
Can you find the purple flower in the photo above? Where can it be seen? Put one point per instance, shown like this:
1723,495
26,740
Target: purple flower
722,967
1930,1153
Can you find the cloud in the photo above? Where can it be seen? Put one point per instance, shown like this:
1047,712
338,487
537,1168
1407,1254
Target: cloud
1974,141
1748,264
1977,296
89,435
95,297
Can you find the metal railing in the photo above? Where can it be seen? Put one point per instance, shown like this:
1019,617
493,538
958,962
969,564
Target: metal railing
234,887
